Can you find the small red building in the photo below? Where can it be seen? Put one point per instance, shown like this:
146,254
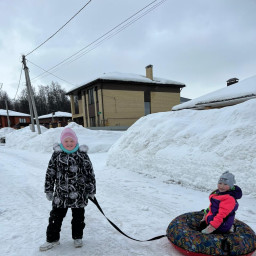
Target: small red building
17,119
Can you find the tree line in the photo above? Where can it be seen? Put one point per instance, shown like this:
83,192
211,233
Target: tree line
48,99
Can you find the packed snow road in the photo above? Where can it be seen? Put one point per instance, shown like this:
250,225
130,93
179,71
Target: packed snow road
140,205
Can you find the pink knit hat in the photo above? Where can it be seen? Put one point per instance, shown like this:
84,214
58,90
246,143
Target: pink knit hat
67,132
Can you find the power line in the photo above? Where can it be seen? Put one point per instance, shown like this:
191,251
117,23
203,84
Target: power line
50,73
107,33
19,82
60,28
63,61
116,32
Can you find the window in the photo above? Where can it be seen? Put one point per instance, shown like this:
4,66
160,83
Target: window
76,104
92,121
147,108
147,105
96,92
22,120
79,95
90,96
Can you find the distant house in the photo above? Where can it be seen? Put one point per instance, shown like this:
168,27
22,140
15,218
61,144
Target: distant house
17,119
118,99
235,93
55,119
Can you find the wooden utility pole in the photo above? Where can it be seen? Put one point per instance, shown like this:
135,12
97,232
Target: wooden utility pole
31,96
8,119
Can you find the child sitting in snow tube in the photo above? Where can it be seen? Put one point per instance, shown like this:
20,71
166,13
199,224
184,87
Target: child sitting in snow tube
220,215
217,233
184,234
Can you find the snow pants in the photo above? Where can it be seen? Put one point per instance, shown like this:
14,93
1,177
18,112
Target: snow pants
55,221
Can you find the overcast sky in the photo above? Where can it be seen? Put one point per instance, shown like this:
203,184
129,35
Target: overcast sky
201,43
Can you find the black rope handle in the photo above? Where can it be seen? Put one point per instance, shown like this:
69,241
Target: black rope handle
94,200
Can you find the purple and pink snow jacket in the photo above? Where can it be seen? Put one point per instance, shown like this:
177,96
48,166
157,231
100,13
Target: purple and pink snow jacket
221,212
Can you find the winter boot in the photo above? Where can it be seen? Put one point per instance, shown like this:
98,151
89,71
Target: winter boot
47,245
78,243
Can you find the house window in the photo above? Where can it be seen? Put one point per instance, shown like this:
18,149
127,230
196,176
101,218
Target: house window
79,95
96,92
76,104
147,104
147,108
22,120
92,121
90,96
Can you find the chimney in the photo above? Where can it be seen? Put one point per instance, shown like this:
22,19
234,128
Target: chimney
232,81
149,72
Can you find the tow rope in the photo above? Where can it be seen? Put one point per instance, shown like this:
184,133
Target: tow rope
94,200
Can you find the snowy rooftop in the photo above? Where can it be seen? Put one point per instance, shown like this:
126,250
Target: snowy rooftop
237,92
56,114
132,78
3,112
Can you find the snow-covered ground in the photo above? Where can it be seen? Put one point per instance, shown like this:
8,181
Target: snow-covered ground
166,164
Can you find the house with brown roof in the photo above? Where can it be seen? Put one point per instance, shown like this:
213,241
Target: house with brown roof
118,99
17,119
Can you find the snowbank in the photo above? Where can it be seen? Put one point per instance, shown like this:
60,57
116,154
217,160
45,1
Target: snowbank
97,141
6,130
192,147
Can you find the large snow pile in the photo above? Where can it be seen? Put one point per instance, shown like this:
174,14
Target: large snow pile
192,147
97,141
6,130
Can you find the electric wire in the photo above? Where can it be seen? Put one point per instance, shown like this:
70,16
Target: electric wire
59,28
19,82
51,73
103,37
116,32
63,61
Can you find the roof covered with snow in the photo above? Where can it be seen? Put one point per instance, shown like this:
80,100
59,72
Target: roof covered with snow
3,112
233,94
117,76
56,114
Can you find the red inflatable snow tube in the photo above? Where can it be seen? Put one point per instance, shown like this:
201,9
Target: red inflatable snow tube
183,233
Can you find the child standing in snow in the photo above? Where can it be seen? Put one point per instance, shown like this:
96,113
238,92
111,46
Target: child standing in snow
220,215
69,182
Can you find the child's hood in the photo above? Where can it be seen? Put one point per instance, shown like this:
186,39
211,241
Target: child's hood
82,148
236,192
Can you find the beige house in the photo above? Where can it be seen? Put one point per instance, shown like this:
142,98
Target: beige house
117,99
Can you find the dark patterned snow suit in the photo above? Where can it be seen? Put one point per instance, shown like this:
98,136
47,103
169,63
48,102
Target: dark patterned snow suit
71,178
